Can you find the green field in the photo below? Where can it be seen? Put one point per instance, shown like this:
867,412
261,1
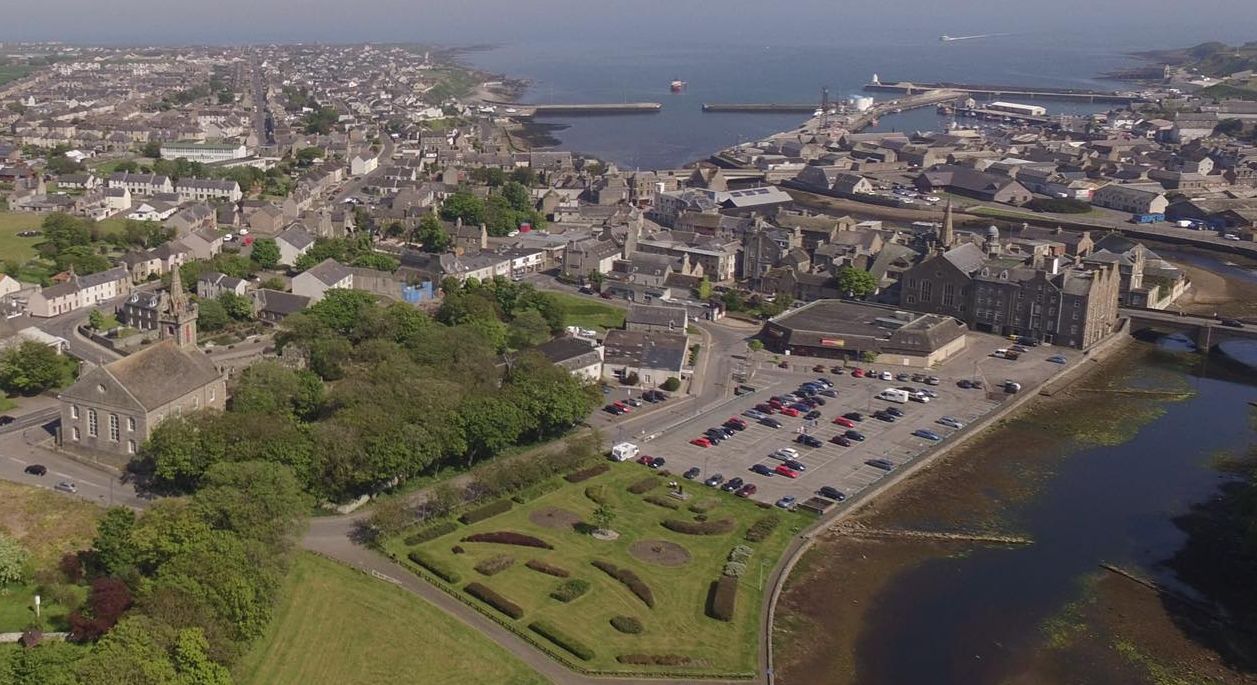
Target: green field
335,625
13,248
678,624
587,312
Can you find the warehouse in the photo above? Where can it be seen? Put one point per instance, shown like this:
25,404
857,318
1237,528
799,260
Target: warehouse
838,329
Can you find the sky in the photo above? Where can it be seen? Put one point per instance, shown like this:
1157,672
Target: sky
1130,23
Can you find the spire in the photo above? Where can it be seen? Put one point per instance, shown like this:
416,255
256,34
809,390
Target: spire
177,298
948,237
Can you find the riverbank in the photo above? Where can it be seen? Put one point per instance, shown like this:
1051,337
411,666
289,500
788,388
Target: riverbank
838,615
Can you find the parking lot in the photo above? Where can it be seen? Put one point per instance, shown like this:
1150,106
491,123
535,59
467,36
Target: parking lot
842,467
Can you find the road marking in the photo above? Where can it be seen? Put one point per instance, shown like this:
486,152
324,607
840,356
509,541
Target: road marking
80,480
17,460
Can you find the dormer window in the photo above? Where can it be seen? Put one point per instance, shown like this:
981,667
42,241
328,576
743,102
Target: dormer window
100,388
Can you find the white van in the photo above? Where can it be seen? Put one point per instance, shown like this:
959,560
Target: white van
893,395
624,451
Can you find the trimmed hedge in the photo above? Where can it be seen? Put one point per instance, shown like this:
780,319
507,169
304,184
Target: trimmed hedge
644,485
570,590
655,659
548,569
719,527
492,509
587,473
597,494
435,566
431,533
665,502
704,506
490,596
724,596
494,565
627,625
532,493
629,579
762,528
577,648
509,537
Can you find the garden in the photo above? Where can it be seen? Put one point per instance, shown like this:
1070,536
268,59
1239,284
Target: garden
612,569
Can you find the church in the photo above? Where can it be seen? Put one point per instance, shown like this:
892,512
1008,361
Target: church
113,408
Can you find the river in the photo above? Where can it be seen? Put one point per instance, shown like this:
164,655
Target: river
1095,477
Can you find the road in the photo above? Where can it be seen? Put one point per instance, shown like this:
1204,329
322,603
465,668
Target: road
20,447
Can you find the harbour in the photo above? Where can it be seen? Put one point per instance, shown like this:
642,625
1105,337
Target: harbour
986,91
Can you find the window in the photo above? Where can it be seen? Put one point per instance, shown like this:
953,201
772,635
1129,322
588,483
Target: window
130,447
74,411
91,423
130,424
211,395
75,432
948,294
113,427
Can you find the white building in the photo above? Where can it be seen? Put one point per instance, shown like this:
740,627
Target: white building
293,242
324,276
362,165
141,184
207,153
202,189
80,291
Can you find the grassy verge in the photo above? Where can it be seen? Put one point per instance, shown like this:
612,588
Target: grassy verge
590,313
12,247
678,569
336,625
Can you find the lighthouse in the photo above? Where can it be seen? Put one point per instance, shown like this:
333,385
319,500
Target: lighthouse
875,81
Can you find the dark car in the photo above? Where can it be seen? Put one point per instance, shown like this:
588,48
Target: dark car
894,411
714,438
854,416
1233,323
832,493
829,392
728,432
762,469
692,473
735,425
820,401
6,420
732,484
964,383
808,440
36,469
884,416
613,410
840,440
819,368
714,480
747,490
814,414
837,370
883,464
795,464
770,422
657,463
854,435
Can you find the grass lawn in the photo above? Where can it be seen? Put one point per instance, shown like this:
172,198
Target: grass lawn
590,313
12,247
336,625
7,403
677,625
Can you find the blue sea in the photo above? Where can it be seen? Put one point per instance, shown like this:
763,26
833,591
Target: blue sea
768,72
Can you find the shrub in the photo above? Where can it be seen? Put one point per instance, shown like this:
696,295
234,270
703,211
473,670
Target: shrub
570,590
627,625
457,549
548,569
490,596
740,553
1059,205
492,509
737,569
435,566
431,533
654,659
509,537
644,485
587,473
529,494
762,528
495,564
672,384
629,579
665,502
704,506
577,648
724,597
597,493
719,527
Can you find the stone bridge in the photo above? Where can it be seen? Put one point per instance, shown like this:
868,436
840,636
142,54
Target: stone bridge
1205,331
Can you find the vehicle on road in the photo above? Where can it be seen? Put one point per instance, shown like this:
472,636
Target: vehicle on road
840,440
786,502
854,435
770,422
66,486
832,493
714,480
701,442
1012,387
692,473
1233,323
927,434
732,484
783,470
808,440
844,422
746,490
36,470
762,469
6,420
883,464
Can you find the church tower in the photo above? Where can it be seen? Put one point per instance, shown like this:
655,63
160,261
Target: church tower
947,238
177,319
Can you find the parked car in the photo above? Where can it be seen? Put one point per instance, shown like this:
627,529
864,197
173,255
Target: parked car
746,490
894,411
633,402
903,377
829,392
786,502
764,408
819,368
857,373
66,486
645,459
837,370
795,464
657,462
800,407
732,484
692,473
714,480
844,422
613,410
883,464
6,420
832,493
762,469
964,383
785,453
790,411
857,436
950,422
701,442
754,414
883,416
818,401
927,434
854,416
840,440
770,422
783,470
735,423
36,470
1058,359
808,440
978,384
814,414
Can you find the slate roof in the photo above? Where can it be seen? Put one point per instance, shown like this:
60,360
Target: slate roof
652,315
665,351
153,377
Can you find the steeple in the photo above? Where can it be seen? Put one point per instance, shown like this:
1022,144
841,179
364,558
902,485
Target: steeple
948,235
177,319
178,300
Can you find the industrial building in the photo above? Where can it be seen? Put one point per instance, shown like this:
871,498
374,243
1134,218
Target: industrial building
839,329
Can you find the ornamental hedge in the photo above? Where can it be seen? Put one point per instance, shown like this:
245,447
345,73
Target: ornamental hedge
762,528
435,566
655,659
577,648
597,494
548,569
704,506
492,509
490,596
724,595
494,565
431,533
627,625
665,502
718,527
644,485
532,493
587,473
509,537
570,590
629,579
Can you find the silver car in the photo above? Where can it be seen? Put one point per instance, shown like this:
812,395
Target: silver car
66,486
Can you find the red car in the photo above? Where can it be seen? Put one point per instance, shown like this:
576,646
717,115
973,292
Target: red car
623,407
844,422
786,471
746,490
857,373
646,459
840,440
765,408
701,442
789,411
737,421
775,403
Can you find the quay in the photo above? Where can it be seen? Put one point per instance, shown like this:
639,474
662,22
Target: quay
537,111
770,107
992,91
999,115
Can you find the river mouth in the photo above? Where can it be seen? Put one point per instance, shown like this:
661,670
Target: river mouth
1101,474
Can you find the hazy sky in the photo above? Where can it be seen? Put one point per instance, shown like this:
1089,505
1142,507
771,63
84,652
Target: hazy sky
1130,23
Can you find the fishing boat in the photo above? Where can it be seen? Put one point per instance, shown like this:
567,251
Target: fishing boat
678,85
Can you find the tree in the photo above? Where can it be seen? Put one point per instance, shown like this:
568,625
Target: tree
603,517
672,384
152,149
856,282
33,367
265,253
517,195
237,307
390,517
755,345
596,279
345,312
463,205
432,234
306,155
703,291
377,261
274,283
269,388
529,328
12,561
107,600
114,551
256,500
96,320
62,165
212,316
